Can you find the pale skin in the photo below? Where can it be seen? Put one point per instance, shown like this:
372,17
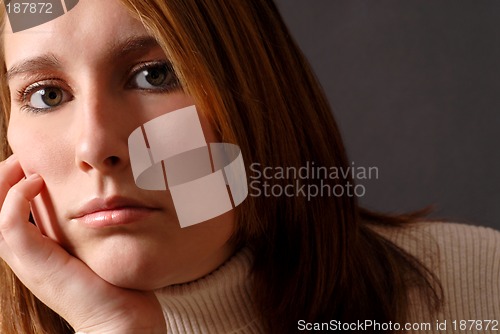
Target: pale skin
70,141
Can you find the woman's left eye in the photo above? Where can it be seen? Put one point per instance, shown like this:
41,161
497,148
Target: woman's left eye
155,77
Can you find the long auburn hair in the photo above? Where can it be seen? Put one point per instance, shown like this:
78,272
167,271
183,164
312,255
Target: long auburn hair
314,259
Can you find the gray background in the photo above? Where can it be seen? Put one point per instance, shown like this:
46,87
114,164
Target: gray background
414,85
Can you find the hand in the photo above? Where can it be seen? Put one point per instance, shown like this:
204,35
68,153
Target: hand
64,283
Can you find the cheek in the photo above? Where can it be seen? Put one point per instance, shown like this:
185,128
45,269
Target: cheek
39,149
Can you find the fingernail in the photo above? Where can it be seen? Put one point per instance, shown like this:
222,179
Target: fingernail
33,177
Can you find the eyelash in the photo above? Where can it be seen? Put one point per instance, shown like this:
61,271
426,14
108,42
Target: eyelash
155,64
24,95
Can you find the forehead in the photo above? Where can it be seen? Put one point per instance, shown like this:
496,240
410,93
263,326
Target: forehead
84,32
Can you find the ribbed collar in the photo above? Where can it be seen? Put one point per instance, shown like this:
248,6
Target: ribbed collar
217,303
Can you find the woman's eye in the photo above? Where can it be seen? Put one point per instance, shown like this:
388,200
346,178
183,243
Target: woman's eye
158,77
48,97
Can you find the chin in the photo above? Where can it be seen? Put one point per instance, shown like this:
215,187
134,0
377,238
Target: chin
126,277
130,280
136,266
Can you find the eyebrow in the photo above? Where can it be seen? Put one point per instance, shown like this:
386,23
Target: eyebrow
133,44
33,65
50,61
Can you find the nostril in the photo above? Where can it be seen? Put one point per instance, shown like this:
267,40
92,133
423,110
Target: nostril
113,160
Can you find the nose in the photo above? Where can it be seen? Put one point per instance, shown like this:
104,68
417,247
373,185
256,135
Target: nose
101,139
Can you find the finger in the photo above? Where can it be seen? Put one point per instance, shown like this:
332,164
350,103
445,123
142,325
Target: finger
24,247
61,281
39,262
18,235
10,174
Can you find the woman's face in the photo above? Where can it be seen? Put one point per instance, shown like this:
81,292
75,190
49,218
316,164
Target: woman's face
79,85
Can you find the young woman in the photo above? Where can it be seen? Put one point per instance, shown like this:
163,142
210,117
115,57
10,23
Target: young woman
73,90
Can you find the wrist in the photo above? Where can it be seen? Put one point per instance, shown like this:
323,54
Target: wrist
142,315
121,330
131,325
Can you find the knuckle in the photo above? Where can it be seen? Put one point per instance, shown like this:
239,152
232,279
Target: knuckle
15,193
18,192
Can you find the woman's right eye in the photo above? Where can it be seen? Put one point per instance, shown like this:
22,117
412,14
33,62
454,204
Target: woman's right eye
47,97
42,97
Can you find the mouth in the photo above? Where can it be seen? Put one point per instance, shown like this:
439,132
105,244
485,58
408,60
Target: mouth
112,211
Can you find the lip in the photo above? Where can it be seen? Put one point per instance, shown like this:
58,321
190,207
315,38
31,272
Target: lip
112,211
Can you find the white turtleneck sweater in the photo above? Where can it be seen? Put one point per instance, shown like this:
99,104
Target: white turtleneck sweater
216,303
466,259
